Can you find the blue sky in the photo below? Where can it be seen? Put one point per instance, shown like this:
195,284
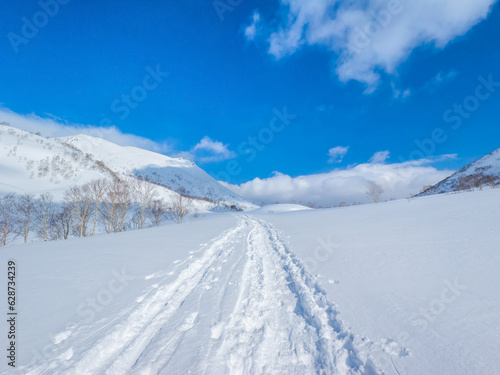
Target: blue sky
321,93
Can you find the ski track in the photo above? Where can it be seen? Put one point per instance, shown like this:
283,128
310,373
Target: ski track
281,321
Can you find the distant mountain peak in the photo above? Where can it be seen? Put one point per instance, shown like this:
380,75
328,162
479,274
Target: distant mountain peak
483,172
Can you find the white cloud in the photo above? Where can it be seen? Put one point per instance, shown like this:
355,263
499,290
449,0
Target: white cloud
251,30
440,79
380,157
205,151
336,154
324,108
343,185
52,126
367,37
400,93
209,151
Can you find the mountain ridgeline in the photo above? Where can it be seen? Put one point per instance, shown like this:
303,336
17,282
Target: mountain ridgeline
31,163
484,172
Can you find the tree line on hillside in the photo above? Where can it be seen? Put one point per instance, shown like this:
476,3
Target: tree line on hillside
100,205
465,183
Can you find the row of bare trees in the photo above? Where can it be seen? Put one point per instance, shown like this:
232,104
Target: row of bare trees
475,181
100,205
22,214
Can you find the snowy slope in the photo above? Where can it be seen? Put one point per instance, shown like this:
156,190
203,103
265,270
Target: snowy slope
487,166
173,172
35,164
394,288
422,272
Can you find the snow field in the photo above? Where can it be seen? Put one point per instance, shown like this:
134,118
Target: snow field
405,287
280,321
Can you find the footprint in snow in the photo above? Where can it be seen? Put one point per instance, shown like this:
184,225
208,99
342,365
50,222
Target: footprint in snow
189,322
60,337
141,298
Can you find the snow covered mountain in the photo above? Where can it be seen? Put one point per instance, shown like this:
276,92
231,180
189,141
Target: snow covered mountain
30,163
483,172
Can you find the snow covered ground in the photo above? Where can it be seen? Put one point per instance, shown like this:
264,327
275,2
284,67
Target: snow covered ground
279,208
404,287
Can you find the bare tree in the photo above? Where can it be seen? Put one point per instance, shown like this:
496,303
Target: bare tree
145,195
110,207
374,192
180,206
490,181
7,218
80,204
44,213
125,200
61,224
25,205
159,211
426,189
97,191
478,180
117,201
463,183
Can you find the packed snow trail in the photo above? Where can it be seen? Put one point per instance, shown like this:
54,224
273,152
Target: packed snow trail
246,306
282,322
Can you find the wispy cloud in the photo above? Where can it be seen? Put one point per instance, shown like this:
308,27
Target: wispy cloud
205,151
324,108
344,185
400,93
440,79
251,30
52,126
336,154
210,151
368,37
380,157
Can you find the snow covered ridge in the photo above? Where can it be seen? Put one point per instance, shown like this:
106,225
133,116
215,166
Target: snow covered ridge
30,163
483,172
